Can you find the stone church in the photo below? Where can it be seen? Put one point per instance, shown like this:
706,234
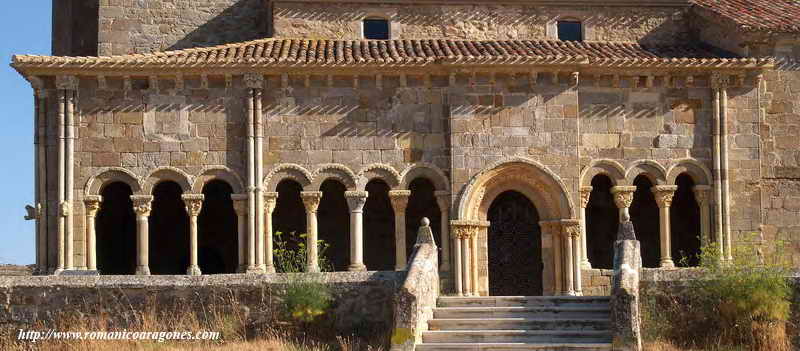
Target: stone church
181,137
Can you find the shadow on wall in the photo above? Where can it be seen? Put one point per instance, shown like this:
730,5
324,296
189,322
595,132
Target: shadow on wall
242,21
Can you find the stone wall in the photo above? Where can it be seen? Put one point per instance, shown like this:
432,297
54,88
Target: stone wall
652,25
360,299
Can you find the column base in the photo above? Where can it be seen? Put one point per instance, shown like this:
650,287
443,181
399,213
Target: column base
143,270
77,272
586,265
312,269
667,263
241,268
58,271
255,270
270,269
397,268
357,267
193,270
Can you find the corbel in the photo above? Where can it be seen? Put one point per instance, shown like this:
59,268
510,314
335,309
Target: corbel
427,80
102,84
492,78
452,80
329,80
228,81
403,81
635,82
533,78
307,81
740,80
473,79
574,79
179,82
690,81
153,83
203,81
650,81
555,78
759,79
284,80
127,84
355,82
615,81
379,81
597,79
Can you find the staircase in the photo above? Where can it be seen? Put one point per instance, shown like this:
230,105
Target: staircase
497,323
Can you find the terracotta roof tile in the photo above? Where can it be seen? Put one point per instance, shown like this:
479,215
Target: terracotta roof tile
305,52
754,15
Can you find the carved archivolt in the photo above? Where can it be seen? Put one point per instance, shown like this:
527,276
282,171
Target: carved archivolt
381,171
287,171
610,168
650,169
336,171
427,171
543,187
223,173
109,175
163,174
697,170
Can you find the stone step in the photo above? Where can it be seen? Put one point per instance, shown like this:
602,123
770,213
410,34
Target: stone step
500,301
551,323
583,311
514,346
517,336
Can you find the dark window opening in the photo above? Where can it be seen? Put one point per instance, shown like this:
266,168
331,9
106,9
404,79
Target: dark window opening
570,31
376,29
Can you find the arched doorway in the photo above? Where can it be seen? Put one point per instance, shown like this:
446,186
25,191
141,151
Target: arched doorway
116,231
379,247
645,217
515,247
333,216
217,248
685,224
169,230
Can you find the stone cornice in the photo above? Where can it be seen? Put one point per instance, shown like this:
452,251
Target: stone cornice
604,3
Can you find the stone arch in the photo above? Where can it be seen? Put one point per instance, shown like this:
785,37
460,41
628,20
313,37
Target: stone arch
699,173
428,171
610,168
336,171
540,185
109,175
173,174
381,171
650,169
222,173
287,171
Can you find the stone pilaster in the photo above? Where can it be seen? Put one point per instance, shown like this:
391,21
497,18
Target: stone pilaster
586,192
240,207
702,194
92,204
443,201
270,201
194,203
311,201
664,195
356,201
552,278
142,205
399,199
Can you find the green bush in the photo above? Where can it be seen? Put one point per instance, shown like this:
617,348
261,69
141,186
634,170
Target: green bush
305,298
290,253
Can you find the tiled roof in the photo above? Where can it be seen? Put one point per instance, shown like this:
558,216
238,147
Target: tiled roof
756,15
304,52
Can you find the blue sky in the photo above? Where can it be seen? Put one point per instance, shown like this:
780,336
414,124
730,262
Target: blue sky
25,28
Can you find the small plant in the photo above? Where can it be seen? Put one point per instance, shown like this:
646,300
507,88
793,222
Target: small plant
291,256
305,298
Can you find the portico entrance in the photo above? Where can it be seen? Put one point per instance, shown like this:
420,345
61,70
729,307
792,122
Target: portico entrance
515,247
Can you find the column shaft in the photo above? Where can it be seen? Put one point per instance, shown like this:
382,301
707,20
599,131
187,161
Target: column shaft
399,199
726,211
194,203
92,206
459,264
465,269
578,283
142,204
568,263
270,202
664,195
252,213
443,200
259,179
474,261
701,195
69,263
240,207
558,259
62,204
311,201
356,201
586,192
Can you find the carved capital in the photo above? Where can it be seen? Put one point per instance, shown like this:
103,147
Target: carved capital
356,200
33,212
254,80
240,204
92,203
574,79
194,203
64,208
67,82
270,201
702,194
399,199
550,227
572,228
623,195
586,192
719,81
664,194
466,229
311,200
142,204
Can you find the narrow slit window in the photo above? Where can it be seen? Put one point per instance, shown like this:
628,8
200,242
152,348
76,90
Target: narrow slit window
570,31
376,29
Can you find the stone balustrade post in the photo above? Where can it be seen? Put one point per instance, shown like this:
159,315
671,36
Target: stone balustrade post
92,203
664,195
194,203
240,207
270,201
399,199
586,192
311,201
142,205
356,201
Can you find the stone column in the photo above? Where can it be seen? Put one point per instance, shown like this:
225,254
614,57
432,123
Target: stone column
623,197
443,200
586,192
463,230
63,206
476,231
356,201
719,85
69,84
252,212
142,205
663,195
270,201
92,203
569,261
572,231
702,194
399,200
458,261
240,206
311,201
194,203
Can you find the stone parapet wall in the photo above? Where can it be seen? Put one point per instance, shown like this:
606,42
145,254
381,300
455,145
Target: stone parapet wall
360,298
